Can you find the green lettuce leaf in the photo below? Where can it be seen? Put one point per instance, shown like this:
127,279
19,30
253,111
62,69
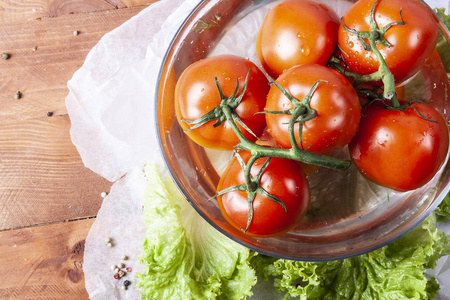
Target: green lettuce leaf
443,46
443,210
396,271
185,257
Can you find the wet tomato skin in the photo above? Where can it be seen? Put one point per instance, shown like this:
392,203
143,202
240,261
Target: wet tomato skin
296,32
411,43
283,179
400,149
336,103
196,93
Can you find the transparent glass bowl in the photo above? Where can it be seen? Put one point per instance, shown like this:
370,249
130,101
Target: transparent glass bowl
348,216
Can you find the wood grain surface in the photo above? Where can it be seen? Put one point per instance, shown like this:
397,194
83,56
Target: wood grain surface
48,199
48,261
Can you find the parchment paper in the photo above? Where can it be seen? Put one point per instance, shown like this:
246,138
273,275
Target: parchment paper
111,108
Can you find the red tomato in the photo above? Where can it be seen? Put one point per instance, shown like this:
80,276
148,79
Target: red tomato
335,101
400,149
282,179
196,94
411,43
296,32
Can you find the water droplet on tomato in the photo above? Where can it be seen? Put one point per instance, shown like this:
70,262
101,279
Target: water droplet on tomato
305,50
351,44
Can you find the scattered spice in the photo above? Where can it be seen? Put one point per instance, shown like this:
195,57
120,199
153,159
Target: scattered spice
103,194
34,48
119,269
110,245
5,55
76,32
49,113
18,95
121,273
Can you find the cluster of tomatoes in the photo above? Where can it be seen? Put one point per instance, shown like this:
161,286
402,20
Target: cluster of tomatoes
324,70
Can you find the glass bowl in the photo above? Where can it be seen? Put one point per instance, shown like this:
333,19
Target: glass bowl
348,215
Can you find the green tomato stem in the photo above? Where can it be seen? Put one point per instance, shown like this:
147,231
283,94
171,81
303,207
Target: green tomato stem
294,153
386,75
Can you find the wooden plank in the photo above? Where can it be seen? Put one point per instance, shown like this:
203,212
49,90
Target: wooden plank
41,73
23,10
57,8
44,262
42,178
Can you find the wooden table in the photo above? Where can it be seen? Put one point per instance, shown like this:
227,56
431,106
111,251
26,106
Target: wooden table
48,199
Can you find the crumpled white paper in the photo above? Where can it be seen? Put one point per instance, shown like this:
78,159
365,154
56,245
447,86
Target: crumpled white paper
111,108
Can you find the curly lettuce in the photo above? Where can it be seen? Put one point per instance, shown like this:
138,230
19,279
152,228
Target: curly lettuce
443,210
396,271
185,257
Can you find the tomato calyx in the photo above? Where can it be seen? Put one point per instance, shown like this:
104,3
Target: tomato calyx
376,34
374,37
252,186
217,113
300,113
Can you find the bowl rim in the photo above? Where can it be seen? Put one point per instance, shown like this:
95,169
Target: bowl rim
393,235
